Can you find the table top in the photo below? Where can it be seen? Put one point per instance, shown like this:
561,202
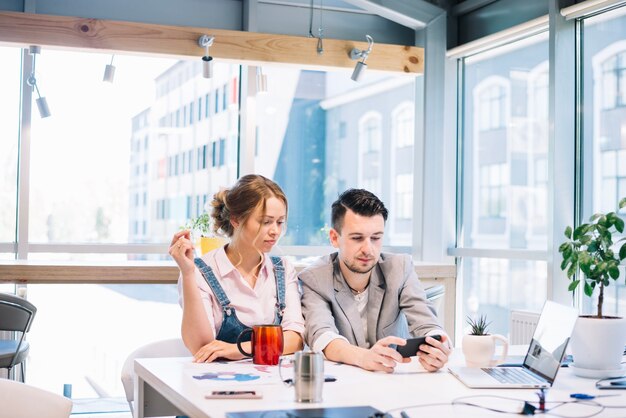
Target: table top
408,389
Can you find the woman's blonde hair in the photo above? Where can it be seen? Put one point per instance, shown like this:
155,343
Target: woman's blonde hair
241,200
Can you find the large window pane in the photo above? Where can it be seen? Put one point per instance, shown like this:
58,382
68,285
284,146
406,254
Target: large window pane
9,128
506,146
82,334
604,135
505,178
494,287
146,150
320,133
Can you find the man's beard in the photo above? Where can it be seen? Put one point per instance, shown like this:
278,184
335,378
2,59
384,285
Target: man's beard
356,270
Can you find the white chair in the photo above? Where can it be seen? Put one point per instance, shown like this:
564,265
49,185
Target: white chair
165,348
19,400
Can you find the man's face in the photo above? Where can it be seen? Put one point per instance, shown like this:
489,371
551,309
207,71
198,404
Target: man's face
359,242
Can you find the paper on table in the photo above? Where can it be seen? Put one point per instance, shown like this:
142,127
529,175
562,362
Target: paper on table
235,374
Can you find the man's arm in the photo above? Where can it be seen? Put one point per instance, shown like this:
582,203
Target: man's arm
422,320
419,311
317,311
380,357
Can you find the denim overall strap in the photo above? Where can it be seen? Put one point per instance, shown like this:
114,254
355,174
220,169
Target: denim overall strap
279,274
231,325
215,286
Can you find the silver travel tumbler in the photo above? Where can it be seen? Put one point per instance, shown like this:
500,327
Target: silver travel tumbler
308,369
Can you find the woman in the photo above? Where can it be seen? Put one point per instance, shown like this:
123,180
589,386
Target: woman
252,213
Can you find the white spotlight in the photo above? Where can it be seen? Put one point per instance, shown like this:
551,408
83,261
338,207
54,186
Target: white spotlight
356,54
42,103
205,41
109,72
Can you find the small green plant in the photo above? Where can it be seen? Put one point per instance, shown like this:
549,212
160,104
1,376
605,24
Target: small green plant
479,325
202,224
590,249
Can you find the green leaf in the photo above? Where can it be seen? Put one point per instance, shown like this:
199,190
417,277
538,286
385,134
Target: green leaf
579,231
619,224
622,252
573,285
571,270
563,246
588,289
622,203
614,272
595,216
593,247
585,239
568,232
564,263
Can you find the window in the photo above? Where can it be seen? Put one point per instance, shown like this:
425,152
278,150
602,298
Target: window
318,135
504,180
370,138
491,107
493,190
402,151
614,81
9,125
403,126
604,135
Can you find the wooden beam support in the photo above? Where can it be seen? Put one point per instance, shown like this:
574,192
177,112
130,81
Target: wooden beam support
177,41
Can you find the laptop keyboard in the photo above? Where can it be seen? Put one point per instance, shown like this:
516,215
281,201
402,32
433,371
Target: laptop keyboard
511,375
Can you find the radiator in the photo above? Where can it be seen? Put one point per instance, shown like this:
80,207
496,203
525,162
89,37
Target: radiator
523,324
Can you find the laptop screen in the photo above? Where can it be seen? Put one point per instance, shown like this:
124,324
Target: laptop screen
550,339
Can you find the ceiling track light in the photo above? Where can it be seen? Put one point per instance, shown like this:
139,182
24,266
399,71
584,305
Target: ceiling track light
42,103
205,41
109,71
357,54
261,81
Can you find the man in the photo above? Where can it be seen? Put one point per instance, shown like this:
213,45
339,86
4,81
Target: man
359,303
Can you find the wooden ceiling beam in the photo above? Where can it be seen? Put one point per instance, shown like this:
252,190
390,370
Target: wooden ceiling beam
179,41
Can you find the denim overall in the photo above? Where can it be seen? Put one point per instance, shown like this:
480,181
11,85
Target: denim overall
231,326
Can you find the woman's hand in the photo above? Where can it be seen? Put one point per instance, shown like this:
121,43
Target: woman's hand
217,349
181,250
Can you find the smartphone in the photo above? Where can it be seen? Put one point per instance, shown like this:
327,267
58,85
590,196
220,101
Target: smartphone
412,345
234,394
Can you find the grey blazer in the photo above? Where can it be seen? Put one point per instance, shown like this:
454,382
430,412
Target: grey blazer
397,303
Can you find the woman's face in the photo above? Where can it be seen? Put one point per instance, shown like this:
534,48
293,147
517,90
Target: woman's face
262,230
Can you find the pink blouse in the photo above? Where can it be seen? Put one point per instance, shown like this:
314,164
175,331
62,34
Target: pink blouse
254,306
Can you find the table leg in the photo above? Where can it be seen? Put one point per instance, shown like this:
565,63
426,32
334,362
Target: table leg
150,403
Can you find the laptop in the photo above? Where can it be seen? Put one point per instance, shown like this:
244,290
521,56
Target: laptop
542,361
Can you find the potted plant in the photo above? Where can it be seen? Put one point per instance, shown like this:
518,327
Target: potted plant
598,340
479,346
202,233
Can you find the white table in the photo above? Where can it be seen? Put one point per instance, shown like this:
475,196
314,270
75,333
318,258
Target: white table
166,386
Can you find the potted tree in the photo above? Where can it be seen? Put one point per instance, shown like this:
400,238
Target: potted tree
202,233
598,340
479,346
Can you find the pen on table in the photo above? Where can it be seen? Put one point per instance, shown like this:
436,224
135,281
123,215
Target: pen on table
404,414
586,396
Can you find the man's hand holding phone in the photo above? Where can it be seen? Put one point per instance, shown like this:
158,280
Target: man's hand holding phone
412,345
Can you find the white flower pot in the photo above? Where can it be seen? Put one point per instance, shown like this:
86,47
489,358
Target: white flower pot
597,346
479,350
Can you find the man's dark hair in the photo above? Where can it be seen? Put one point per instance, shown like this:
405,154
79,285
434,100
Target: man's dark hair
359,201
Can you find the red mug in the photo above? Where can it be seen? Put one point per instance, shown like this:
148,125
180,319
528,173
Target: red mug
266,342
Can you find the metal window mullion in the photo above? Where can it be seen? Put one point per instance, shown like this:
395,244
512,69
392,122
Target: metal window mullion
23,171
562,164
